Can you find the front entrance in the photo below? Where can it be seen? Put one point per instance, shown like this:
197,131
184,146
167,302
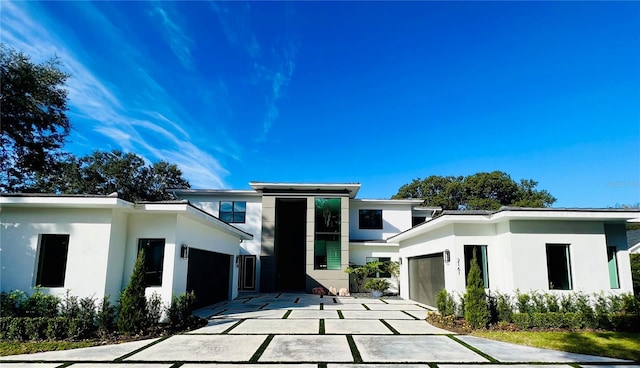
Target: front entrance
208,276
426,278
290,243
247,273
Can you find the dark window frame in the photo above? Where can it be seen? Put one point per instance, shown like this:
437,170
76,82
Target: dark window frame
370,219
482,258
153,260
235,215
559,275
53,254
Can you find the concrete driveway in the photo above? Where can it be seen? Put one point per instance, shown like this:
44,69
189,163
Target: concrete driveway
303,330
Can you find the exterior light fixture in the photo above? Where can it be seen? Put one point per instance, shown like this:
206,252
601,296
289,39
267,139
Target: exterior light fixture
184,251
447,256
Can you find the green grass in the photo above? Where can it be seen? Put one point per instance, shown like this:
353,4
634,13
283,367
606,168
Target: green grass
622,345
30,347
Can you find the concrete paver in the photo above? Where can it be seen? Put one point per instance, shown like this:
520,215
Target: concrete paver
360,327
506,352
262,365
350,306
215,326
337,365
405,307
367,314
321,348
238,314
415,327
306,314
213,348
510,366
95,353
277,326
347,300
410,349
29,365
121,365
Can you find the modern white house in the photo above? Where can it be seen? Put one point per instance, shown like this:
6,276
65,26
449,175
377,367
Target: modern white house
88,245
298,236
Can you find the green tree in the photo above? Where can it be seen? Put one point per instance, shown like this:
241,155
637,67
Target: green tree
33,105
362,272
108,172
480,191
132,315
476,309
635,272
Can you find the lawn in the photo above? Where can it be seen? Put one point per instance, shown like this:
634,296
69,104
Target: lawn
29,347
622,345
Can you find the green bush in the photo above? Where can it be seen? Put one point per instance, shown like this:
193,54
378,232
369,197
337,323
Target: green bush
567,304
36,328
179,313
377,284
132,317
106,316
504,307
360,273
573,321
446,303
57,328
522,320
635,272
551,300
523,303
476,311
538,303
625,322
39,304
12,303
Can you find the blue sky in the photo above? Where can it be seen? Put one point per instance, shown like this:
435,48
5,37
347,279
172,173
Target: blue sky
378,93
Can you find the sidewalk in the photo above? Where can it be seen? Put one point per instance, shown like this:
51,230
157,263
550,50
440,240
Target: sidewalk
304,330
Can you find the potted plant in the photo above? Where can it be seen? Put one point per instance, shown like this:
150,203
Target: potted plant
377,286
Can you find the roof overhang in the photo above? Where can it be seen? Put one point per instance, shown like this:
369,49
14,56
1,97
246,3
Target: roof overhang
350,189
63,201
510,213
391,201
214,192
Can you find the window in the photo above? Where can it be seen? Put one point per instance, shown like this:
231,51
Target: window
559,267
481,260
153,259
382,270
233,212
327,244
614,281
370,219
52,260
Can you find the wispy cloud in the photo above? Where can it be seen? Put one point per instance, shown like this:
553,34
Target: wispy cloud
236,25
178,40
110,111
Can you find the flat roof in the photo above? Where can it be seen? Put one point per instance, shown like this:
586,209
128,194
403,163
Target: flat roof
307,188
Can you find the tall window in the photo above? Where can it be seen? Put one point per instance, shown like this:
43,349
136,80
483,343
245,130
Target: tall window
153,260
559,267
481,260
612,258
370,219
327,250
382,270
52,260
233,212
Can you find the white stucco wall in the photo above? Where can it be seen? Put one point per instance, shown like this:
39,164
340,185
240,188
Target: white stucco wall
199,236
396,217
358,255
89,233
153,226
252,225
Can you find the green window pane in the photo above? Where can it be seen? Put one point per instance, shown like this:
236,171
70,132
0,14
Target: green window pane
613,268
333,255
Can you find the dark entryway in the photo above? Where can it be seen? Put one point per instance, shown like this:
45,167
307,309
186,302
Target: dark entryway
290,243
426,278
208,276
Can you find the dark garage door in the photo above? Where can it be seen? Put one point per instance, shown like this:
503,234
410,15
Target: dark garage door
208,276
426,278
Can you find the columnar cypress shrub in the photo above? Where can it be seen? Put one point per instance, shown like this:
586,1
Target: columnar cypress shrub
132,316
476,311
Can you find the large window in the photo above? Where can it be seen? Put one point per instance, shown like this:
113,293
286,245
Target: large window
559,267
153,260
233,212
382,270
481,260
612,258
52,260
327,249
370,219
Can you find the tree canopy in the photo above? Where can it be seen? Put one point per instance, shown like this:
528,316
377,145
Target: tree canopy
481,191
108,172
33,105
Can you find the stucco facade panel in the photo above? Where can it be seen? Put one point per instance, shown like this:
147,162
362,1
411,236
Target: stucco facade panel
395,218
89,233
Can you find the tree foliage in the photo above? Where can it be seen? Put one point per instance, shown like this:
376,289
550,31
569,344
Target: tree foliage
108,172
486,191
476,310
132,316
33,105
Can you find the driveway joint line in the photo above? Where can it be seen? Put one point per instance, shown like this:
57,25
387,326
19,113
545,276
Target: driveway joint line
474,349
131,353
357,358
232,327
395,332
411,315
261,349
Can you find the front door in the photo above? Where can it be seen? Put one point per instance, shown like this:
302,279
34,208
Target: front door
247,279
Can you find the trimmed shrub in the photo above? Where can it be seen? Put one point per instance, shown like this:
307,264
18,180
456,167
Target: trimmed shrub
476,311
106,316
523,303
522,320
538,303
504,307
12,303
154,311
179,313
551,300
36,328
132,317
57,328
39,304
446,303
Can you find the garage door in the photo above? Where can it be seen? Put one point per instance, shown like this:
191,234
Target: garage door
426,278
208,276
